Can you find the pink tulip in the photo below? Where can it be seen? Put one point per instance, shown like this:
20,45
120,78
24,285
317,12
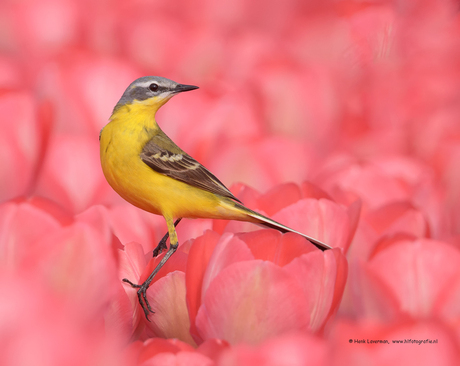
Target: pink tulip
23,223
45,28
158,351
387,223
396,218
25,125
58,280
83,88
42,326
407,277
290,349
259,163
369,182
77,185
10,73
230,280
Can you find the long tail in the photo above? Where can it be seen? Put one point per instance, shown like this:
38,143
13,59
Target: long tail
265,221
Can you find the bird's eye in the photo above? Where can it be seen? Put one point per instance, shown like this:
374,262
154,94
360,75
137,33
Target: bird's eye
153,87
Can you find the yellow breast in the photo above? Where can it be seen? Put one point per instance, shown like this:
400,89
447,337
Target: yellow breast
121,143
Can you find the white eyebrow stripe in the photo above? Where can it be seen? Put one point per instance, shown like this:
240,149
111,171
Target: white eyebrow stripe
145,84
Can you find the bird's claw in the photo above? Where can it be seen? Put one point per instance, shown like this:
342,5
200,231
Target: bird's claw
130,283
142,297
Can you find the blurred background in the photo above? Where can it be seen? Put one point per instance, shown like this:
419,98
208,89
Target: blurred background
288,90
359,98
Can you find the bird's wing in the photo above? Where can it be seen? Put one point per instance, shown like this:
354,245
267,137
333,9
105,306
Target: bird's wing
163,156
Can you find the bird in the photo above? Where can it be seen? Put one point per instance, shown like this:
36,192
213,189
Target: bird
146,168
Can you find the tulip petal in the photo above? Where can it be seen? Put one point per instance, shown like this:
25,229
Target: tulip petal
341,280
198,258
142,227
310,190
279,197
213,348
398,217
230,249
291,349
179,359
75,260
177,262
154,346
252,301
316,273
167,299
17,244
275,247
132,262
73,183
21,143
417,272
371,297
322,219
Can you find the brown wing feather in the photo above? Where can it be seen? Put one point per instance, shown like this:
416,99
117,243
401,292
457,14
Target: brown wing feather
181,166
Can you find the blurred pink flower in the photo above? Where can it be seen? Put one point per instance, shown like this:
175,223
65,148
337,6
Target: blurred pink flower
398,195
292,349
396,218
40,29
371,182
71,174
84,88
158,351
71,255
25,126
10,73
59,280
23,223
142,227
41,326
263,163
407,277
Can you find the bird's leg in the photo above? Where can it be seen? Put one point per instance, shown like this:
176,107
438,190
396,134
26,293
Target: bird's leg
142,289
162,244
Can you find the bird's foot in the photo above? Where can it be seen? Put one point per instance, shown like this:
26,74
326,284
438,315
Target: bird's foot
142,289
142,296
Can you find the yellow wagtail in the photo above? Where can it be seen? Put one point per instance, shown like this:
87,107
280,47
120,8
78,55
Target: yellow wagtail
147,169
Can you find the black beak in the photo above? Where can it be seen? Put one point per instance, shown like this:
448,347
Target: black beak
181,88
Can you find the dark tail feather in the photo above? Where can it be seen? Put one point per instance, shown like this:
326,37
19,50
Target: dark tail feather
265,221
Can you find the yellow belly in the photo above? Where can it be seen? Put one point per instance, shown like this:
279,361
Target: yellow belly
147,189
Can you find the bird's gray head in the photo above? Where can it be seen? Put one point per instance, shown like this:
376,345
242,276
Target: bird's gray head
152,90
